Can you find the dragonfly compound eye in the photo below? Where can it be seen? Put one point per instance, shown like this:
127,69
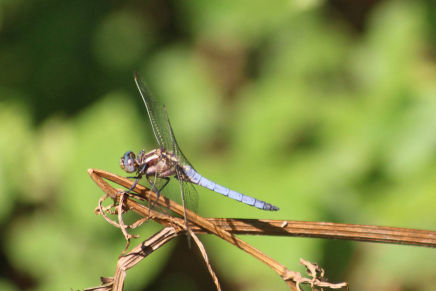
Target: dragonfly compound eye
128,162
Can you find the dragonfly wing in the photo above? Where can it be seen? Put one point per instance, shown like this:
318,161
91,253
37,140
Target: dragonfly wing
175,146
156,114
191,196
164,135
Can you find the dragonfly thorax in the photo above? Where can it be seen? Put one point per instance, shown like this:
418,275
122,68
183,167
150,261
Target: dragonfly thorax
154,163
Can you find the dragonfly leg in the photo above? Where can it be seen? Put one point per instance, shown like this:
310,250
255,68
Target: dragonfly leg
137,178
133,186
156,190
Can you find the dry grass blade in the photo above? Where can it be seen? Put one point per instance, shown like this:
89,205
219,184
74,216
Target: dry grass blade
226,228
193,218
136,255
206,259
328,230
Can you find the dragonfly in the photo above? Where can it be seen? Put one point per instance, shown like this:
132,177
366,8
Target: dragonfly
168,161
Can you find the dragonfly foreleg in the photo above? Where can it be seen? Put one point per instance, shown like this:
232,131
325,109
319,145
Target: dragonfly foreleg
133,185
137,178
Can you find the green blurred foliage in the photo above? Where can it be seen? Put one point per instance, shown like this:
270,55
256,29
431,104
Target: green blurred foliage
291,103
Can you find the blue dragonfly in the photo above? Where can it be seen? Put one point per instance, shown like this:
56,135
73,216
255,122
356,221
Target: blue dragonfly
168,160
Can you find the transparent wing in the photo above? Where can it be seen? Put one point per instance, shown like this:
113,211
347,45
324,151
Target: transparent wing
191,196
156,115
186,196
160,122
188,193
166,140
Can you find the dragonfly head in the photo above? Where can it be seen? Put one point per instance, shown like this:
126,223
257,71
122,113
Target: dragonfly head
128,162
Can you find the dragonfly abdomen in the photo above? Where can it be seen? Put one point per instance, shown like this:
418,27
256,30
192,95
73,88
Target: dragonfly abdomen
198,179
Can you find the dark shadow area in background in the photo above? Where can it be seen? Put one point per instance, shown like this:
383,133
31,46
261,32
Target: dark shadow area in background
20,279
188,266
355,15
47,50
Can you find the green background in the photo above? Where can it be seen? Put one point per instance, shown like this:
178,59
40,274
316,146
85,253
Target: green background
325,109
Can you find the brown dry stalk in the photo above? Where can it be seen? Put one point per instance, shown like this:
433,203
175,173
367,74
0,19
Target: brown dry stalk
136,255
329,230
199,221
225,228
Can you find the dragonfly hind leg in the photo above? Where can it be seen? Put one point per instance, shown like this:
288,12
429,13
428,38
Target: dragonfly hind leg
156,190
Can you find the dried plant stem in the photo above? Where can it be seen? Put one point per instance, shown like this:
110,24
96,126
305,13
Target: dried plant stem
226,228
97,175
329,230
136,255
